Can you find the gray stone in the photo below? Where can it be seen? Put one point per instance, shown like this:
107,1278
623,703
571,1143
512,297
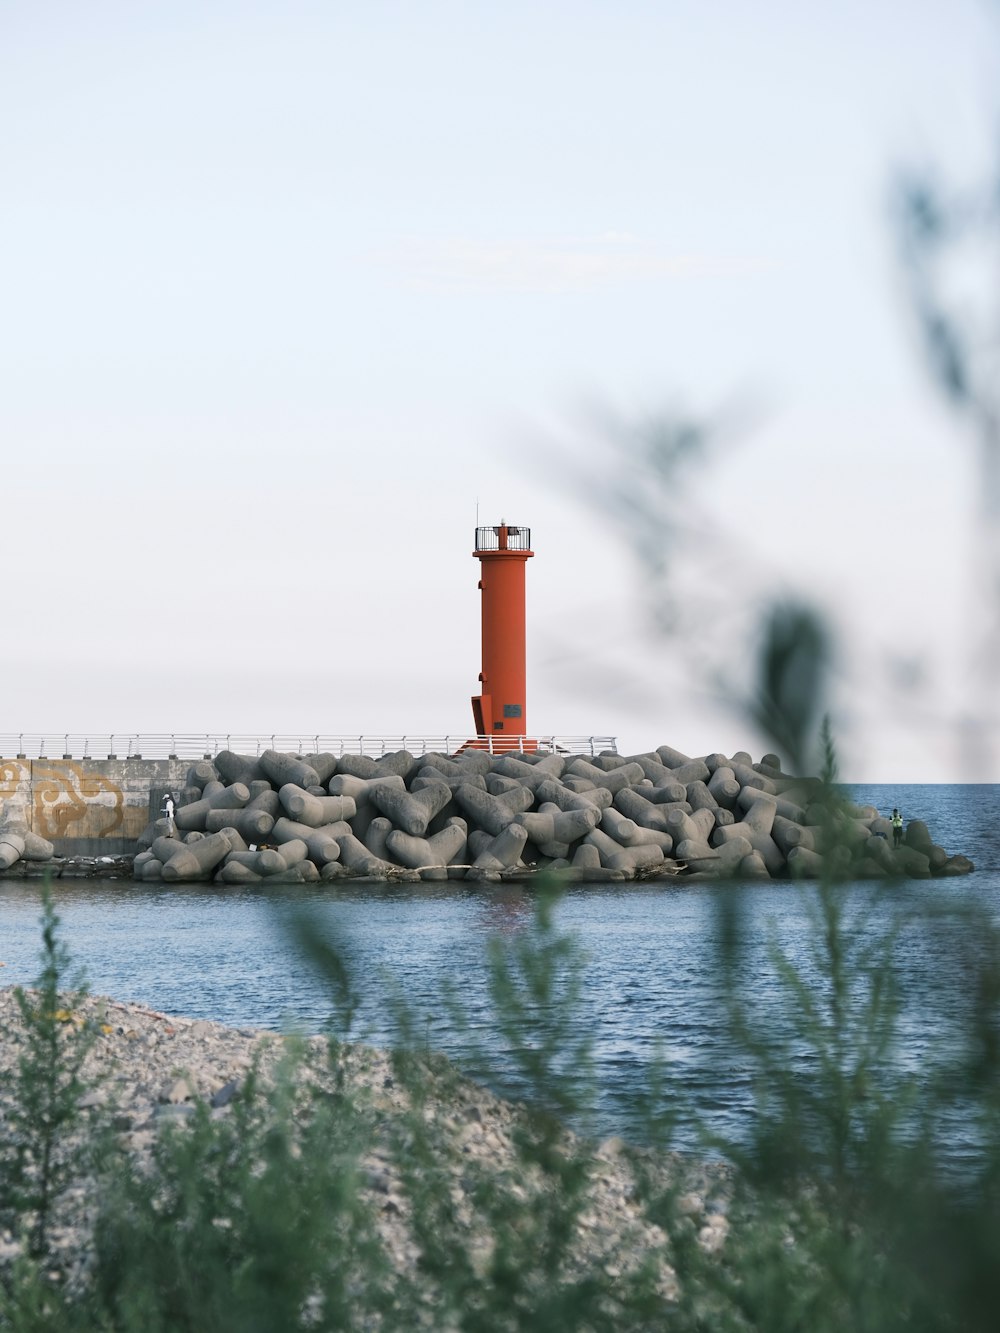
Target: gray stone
412,811
492,813
252,825
201,773
504,850
194,860
11,849
283,768
37,848
232,767
315,811
641,810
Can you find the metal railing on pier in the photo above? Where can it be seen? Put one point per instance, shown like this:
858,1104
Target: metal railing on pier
148,745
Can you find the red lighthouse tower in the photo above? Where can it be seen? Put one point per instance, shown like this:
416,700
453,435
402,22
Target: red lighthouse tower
500,709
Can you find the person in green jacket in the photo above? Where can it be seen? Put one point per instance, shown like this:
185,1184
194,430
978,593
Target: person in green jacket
897,827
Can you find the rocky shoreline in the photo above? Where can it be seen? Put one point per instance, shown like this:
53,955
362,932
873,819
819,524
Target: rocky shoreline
148,1071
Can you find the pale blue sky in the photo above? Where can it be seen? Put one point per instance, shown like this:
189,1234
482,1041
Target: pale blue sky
287,288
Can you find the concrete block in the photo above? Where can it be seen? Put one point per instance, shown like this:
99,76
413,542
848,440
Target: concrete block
234,872
376,836
504,851
642,811
699,797
138,861
252,825
315,811
694,771
201,773
686,827
914,864
626,776
356,856
786,809
724,786
478,842
756,828
608,761
283,768
917,835
586,857
323,843
356,766
754,867
412,811
671,758
232,767
400,764
333,871
164,848
713,762
324,765
421,853
492,813
671,793
616,857
803,863
748,777
498,785
527,775
36,848
195,860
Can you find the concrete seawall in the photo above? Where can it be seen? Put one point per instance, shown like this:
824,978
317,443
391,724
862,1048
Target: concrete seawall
87,807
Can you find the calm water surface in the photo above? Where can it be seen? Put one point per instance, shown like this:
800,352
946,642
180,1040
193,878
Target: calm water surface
652,977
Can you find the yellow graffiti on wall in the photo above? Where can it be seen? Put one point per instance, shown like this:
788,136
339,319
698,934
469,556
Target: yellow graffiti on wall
12,774
66,794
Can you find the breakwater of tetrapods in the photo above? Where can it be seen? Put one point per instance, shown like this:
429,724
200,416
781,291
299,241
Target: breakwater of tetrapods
280,817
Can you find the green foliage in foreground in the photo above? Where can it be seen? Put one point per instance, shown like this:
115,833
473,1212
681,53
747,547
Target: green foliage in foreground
840,1213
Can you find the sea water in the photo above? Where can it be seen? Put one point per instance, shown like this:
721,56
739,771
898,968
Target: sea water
652,994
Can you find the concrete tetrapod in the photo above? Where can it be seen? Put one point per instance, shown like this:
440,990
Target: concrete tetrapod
412,811
193,817
193,860
376,836
492,813
36,848
724,860
628,859
315,811
503,853
282,768
253,825
323,843
429,854
724,786
356,856
626,776
11,849
756,827
629,834
642,811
